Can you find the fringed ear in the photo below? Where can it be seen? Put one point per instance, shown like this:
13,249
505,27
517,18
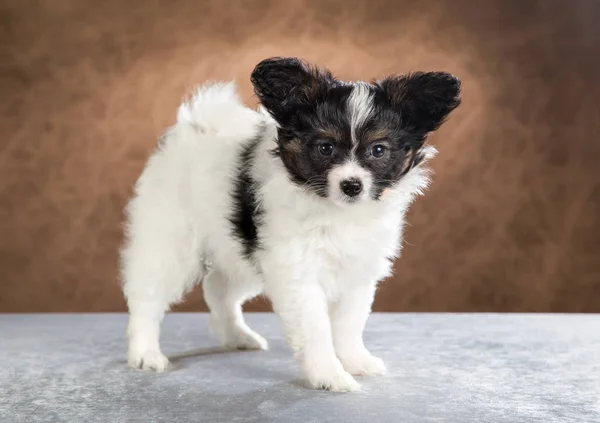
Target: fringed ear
281,84
424,154
414,156
424,99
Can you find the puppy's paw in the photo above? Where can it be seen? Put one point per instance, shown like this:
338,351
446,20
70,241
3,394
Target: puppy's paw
148,360
235,336
340,382
245,340
363,364
331,378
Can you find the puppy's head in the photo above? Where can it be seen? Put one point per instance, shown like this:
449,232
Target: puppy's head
350,141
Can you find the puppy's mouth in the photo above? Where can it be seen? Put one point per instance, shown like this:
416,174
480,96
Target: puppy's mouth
343,199
349,200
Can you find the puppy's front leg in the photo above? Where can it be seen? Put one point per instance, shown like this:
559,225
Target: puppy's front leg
348,317
302,307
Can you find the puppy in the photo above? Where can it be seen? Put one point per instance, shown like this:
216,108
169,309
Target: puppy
303,200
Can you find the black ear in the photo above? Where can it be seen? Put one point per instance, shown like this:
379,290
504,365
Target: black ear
424,99
282,83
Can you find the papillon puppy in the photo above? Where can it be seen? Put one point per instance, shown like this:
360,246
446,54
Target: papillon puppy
303,200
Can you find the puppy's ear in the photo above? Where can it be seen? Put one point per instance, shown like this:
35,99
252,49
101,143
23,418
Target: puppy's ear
283,83
424,99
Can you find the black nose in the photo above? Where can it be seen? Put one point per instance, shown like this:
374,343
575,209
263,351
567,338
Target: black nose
351,187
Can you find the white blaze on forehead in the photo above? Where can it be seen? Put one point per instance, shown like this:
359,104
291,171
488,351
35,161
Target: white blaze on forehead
360,106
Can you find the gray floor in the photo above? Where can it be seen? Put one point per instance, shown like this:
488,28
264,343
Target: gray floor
442,368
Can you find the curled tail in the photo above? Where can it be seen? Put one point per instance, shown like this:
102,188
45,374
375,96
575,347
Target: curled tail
212,106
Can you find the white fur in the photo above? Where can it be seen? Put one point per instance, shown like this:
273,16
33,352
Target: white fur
360,105
319,263
350,169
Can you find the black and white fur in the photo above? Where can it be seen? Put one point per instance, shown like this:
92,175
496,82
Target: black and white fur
303,200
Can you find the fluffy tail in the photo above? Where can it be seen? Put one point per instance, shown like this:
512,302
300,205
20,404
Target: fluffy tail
211,106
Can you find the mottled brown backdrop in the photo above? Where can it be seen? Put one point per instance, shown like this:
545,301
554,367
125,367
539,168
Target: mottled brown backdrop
512,222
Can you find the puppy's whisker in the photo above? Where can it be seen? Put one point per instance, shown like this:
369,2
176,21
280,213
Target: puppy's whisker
385,181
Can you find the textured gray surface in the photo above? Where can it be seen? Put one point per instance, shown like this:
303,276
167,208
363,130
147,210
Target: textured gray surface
442,368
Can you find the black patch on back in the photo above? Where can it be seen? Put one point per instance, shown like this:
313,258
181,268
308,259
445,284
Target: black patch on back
247,213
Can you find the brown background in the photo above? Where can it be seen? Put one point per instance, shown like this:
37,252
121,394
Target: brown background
512,222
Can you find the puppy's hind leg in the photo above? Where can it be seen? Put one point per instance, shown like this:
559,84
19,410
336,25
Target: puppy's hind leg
159,267
225,296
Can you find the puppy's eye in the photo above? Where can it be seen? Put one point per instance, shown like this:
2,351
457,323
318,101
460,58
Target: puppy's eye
378,151
326,149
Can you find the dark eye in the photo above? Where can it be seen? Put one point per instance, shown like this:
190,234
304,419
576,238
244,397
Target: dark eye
326,149
378,151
